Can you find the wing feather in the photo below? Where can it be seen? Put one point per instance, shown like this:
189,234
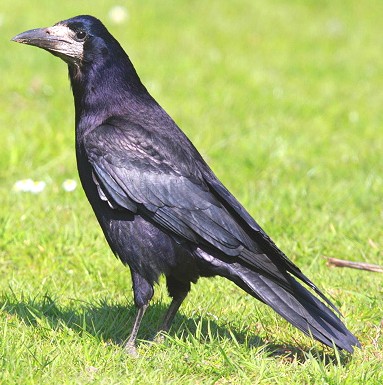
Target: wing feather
175,188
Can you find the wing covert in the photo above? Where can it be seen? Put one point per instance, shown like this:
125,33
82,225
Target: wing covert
175,199
172,186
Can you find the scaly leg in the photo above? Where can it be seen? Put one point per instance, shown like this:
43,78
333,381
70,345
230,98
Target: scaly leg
143,293
170,314
130,345
178,291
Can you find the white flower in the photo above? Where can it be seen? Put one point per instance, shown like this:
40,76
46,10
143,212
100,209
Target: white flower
69,185
37,187
22,185
118,14
29,185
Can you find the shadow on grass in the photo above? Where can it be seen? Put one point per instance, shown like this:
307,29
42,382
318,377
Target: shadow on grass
112,323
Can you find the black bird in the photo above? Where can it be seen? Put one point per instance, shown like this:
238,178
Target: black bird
160,206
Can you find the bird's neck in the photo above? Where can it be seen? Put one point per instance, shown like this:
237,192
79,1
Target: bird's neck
111,88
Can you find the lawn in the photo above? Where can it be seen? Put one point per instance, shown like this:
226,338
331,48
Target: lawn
284,100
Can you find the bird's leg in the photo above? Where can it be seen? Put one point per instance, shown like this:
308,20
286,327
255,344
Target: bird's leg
171,312
130,344
178,291
143,293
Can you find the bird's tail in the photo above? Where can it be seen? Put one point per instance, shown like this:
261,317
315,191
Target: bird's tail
298,306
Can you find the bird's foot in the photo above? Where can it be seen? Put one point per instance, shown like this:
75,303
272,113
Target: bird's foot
159,338
130,349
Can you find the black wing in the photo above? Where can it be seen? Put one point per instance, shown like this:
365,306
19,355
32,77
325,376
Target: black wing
166,179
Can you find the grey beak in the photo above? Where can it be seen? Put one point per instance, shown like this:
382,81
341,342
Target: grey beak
58,40
39,37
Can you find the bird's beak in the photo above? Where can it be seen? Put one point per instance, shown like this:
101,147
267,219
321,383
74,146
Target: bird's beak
59,40
40,37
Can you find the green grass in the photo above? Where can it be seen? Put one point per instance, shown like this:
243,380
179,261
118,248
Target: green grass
284,100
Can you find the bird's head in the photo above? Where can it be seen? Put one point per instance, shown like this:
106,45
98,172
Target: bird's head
77,41
98,66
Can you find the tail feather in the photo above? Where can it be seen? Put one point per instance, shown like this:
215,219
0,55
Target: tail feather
300,308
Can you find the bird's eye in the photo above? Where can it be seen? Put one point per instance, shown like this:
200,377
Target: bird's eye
80,35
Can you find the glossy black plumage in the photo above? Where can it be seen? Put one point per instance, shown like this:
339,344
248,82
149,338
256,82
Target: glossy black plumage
161,208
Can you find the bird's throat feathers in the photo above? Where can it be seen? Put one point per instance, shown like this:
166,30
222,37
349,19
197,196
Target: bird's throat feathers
105,86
